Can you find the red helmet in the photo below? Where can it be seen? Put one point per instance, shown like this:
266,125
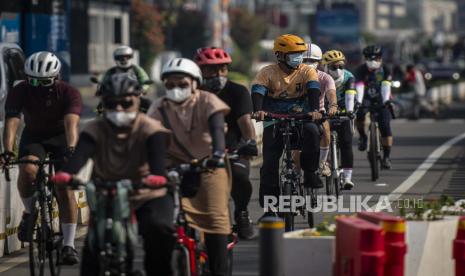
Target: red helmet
211,55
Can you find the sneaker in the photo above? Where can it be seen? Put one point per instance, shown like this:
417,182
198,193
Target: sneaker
362,143
24,233
348,184
324,169
245,228
69,256
386,163
313,180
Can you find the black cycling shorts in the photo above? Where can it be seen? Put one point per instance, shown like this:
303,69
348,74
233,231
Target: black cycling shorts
43,145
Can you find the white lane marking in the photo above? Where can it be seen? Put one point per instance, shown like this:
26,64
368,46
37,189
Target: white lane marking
429,121
9,263
423,168
426,121
455,121
381,184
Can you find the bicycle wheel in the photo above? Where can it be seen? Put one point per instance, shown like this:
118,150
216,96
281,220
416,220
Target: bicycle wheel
54,245
37,247
288,216
230,262
181,263
329,184
309,194
373,152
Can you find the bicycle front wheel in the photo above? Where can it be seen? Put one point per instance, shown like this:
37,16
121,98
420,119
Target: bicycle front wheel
181,262
310,195
373,152
37,247
288,216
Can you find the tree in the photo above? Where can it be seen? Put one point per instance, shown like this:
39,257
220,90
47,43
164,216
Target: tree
246,38
146,31
189,32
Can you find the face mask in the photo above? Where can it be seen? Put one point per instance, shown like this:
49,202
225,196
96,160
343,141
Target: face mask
121,118
338,76
294,60
178,95
215,84
373,64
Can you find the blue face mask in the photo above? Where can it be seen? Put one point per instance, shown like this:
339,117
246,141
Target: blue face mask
294,60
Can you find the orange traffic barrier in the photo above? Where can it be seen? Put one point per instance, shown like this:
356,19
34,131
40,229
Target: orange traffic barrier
458,251
359,248
394,240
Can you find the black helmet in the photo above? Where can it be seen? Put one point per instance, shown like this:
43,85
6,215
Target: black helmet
120,84
373,51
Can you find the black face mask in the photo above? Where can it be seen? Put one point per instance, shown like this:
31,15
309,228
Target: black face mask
215,84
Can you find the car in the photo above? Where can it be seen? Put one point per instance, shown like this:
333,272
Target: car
441,71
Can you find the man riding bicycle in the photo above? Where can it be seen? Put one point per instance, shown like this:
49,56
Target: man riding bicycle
196,119
240,136
373,85
334,63
126,144
313,58
51,110
288,87
123,56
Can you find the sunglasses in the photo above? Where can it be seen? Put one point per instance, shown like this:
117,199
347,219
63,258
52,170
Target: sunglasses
41,82
123,58
335,67
112,104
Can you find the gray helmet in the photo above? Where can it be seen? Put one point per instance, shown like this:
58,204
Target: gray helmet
42,65
123,51
120,84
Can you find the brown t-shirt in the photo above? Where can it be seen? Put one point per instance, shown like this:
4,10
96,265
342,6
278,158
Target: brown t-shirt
122,158
189,122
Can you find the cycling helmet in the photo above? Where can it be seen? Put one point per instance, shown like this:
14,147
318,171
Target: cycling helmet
122,56
333,56
373,51
42,65
289,43
120,84
211,55
314,53
183,66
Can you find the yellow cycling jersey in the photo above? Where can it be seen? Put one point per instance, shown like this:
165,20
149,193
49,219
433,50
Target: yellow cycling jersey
279,85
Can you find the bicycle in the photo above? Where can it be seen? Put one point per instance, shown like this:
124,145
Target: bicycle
289,178
45,240
112,234
374,148
190,256
334,182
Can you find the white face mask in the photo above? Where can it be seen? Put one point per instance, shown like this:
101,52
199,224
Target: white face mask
121,118
178,95
373,64
338,75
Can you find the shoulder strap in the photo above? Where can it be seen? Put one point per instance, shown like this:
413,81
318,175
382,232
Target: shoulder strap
167,124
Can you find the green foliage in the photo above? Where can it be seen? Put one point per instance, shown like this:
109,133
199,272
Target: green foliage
239,78
189,32
246,31
146,32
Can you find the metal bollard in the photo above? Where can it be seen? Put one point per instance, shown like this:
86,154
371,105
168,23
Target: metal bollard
271,246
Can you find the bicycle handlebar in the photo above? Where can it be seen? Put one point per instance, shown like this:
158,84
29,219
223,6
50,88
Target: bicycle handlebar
303,117
105,184
6,166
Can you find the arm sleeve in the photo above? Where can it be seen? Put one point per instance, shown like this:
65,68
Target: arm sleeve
156,145
257,100
14,102
261,82
84,150
74,101
216,125
313,90
387,73
350,84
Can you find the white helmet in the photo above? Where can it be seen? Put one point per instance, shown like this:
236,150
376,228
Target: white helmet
122,56
42,65
314,53
183,66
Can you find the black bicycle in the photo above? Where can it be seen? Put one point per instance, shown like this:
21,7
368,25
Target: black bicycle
334,182
374,139
290,179
45,239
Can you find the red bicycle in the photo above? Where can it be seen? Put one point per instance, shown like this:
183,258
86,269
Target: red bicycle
190,255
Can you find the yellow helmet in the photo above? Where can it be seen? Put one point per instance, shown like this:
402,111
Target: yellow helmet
333,56
289,43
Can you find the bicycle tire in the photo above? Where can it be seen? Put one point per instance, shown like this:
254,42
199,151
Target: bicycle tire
288,216
54,245
230,262
181,263
310,219
37,247
373,153
329,180
337,186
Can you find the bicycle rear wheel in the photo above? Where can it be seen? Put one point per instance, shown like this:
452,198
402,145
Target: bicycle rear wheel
181,263
37,247
54,245
288,216
310,194
373,152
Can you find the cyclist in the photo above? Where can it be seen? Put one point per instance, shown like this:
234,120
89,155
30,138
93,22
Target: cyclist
334,63
287,87
241,132
313,58
123,56
51,110
373,85
196,119
126,144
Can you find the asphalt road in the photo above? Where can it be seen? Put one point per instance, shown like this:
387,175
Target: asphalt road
425,165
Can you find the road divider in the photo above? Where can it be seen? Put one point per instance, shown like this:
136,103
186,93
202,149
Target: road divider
459,248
